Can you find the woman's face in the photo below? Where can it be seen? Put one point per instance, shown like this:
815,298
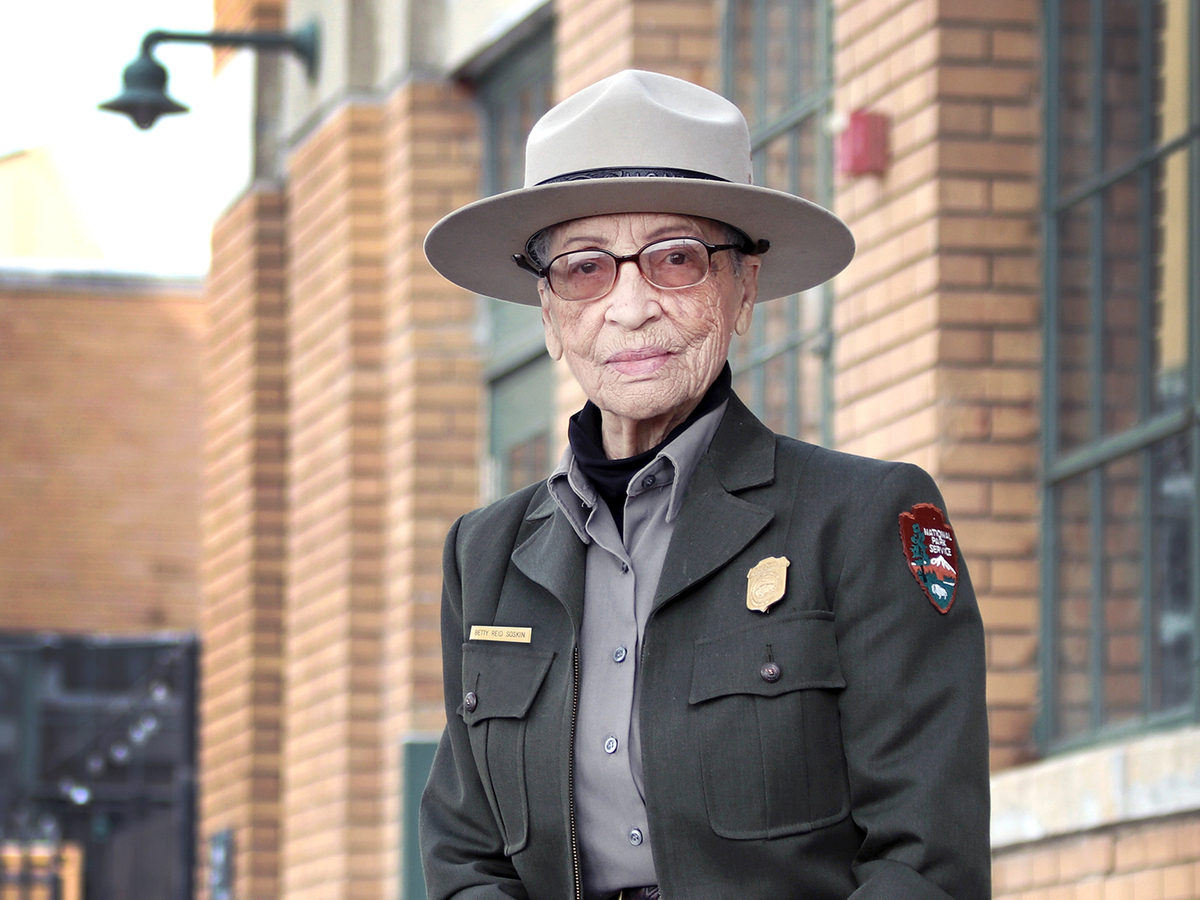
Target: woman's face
641,353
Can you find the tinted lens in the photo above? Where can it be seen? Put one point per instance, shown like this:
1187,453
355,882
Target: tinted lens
582,274
675,263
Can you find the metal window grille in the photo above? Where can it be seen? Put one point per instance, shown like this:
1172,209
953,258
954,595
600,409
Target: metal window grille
97,767
1121,445
777,67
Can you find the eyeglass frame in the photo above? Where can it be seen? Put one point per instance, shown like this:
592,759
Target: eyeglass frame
746,246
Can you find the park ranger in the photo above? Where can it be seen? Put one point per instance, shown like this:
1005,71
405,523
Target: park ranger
701,661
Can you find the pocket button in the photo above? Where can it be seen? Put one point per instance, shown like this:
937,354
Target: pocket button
770,672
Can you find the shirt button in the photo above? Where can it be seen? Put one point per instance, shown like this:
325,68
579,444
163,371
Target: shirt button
770,672
610,744
619,655
470,701
635,836
624,569
648,481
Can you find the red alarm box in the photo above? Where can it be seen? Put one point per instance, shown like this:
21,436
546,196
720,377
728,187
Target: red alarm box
862,146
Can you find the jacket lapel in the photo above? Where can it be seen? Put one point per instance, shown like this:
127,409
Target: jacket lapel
714,525
553,556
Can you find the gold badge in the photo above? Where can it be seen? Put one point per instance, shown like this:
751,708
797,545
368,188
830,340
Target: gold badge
765,583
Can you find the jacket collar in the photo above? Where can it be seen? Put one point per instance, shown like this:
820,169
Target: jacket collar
742,452
741,456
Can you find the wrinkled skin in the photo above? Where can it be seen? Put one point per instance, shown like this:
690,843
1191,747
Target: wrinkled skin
644,355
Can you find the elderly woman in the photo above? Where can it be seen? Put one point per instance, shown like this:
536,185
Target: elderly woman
701,660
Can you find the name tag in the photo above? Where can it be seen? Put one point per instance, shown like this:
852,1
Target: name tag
501,633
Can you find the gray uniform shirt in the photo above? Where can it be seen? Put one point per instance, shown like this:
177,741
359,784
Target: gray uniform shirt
619,585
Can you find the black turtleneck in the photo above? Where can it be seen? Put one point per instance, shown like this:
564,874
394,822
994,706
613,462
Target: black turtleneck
611,476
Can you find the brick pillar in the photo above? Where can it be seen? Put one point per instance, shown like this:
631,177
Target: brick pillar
596,38
244,15
937,319
332,786
431,167
244,527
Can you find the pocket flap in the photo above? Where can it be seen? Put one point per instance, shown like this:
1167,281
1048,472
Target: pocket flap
803,649
504,679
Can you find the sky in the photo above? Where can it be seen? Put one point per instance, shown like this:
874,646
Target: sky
149,198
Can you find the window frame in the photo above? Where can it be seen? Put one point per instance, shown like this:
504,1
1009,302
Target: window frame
527,55
1091,456
816,104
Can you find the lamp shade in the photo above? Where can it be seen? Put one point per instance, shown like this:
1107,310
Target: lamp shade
144,97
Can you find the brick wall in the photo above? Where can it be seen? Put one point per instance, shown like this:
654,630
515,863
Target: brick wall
596,38
434,394
244,15
1158,860
99,458
244,537
937,319
247,15
332,784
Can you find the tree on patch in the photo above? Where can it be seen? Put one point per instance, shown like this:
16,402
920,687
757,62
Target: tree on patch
920,556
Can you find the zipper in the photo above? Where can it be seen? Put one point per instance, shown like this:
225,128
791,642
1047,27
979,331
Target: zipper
575,869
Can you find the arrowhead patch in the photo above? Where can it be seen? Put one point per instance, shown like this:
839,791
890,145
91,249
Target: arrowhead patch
932,553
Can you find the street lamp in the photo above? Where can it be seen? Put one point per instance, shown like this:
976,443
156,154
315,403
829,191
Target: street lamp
144,96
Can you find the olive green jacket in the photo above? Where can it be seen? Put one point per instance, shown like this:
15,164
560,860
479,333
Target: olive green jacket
856,768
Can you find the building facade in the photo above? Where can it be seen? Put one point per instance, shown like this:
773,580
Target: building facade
1020,320
99,577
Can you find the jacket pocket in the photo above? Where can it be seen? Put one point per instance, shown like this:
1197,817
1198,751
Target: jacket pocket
765,698
500,682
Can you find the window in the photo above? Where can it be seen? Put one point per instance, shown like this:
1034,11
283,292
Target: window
1121,548
513,93
777,69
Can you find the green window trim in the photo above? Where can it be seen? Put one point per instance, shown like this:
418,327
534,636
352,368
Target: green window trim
416,761
1121,413
776,58
512,93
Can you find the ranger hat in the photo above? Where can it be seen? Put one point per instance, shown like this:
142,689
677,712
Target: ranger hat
638,142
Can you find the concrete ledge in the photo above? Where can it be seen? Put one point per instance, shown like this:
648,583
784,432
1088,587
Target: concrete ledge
1149,776
89,277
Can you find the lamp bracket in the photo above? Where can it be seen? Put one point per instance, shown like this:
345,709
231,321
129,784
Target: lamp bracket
305,42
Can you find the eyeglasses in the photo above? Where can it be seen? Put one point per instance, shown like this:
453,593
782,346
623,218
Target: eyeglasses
673,263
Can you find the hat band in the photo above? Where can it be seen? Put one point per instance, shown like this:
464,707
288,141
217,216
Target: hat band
627,172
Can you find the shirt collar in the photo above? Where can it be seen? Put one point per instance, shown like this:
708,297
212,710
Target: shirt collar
575,495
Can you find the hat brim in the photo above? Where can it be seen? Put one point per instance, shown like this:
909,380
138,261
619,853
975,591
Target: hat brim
473,246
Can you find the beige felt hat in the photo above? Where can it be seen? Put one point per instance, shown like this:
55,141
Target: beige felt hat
638,142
